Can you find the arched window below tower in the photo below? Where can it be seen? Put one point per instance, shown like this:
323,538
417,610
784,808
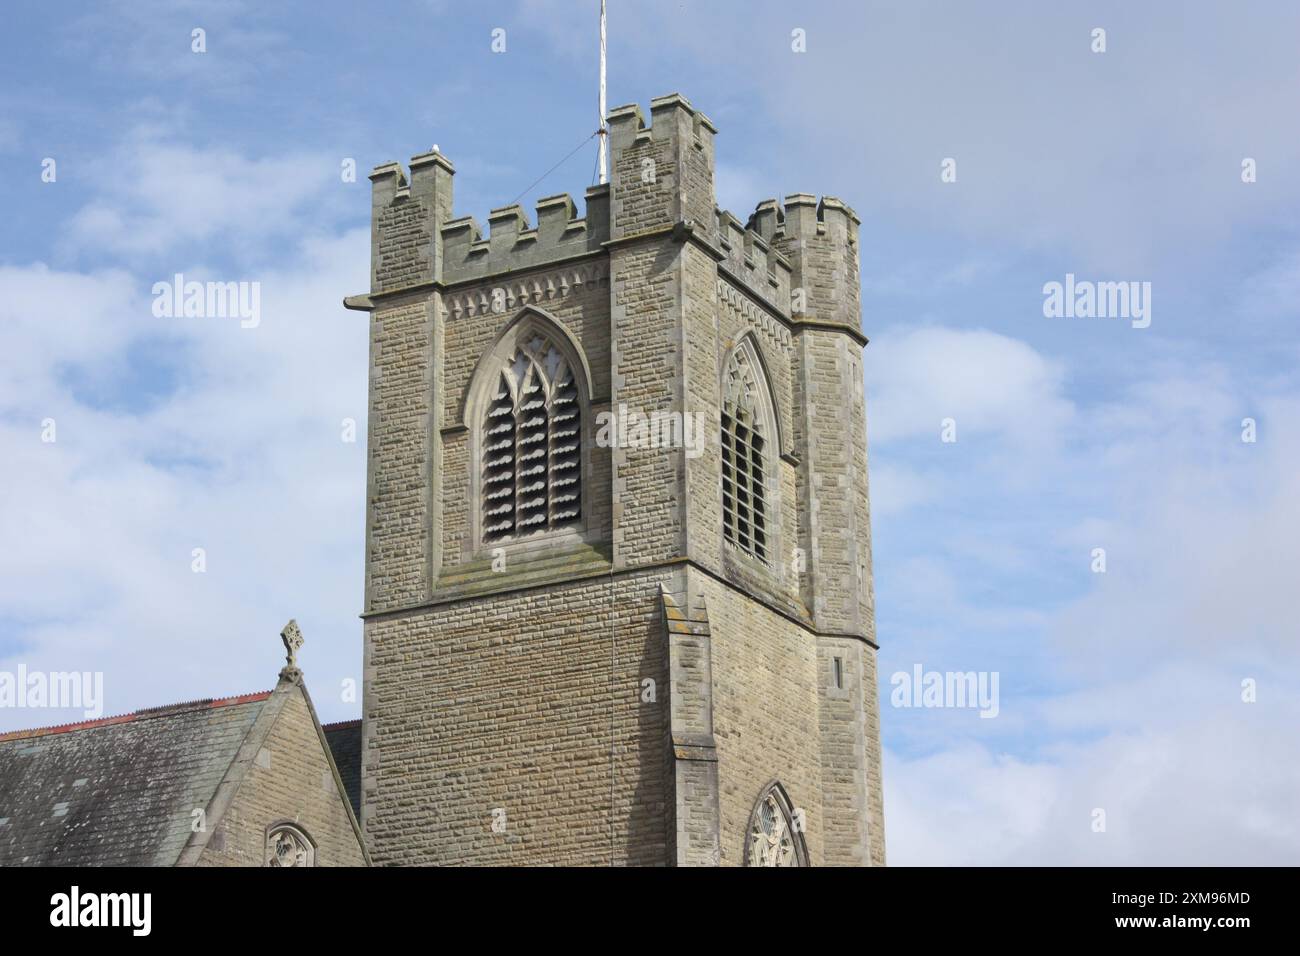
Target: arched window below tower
775,835
531,443
747,438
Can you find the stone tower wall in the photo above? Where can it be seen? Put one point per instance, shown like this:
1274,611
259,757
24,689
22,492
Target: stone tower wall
491,688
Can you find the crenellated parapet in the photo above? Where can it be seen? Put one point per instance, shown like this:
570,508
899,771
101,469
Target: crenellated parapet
800,258
415,240
661,173
751,258
513,244
820,241
405,248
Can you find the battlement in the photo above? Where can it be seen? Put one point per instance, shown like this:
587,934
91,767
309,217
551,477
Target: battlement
662,173
819,240
389,182
415,239
512,243
671,116
661,182
804,217
751,257
771,247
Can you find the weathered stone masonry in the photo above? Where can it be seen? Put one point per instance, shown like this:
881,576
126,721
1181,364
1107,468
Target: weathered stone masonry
625,688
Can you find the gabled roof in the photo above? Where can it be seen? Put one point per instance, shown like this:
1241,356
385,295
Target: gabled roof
121,791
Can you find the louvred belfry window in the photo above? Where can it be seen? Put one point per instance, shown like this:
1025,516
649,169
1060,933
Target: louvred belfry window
744,458
532,445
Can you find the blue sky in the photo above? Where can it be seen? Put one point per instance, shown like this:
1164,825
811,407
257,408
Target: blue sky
1119,691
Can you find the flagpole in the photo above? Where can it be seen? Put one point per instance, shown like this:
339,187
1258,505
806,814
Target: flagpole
604,135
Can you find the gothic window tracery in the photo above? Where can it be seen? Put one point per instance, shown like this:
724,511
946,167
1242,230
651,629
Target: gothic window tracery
531,443
287,845
773,838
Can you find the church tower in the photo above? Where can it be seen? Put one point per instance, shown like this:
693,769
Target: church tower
618,597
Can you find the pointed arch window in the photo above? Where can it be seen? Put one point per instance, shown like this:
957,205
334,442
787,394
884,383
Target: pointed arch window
747,436
531,443
775,836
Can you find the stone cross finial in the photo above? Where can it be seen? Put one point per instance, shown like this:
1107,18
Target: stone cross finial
293,640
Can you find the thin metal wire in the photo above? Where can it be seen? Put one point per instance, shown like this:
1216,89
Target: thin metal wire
539,179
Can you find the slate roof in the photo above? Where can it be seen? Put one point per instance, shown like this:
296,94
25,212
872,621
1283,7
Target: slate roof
119,791
344,739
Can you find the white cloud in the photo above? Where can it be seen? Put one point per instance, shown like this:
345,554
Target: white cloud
155,196
1218,790
50,317
988,383
239,454
1127,696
